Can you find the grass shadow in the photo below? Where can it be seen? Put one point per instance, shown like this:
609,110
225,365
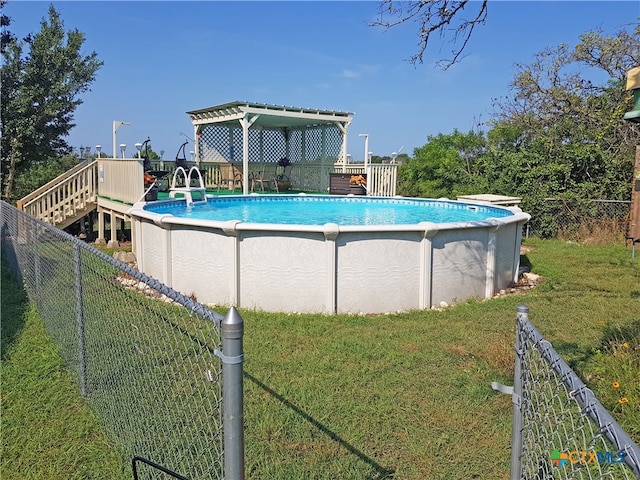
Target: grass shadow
13,307
620,334
573,354
383,473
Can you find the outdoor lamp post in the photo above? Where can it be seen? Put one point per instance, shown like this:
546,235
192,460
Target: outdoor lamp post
116,125
99,149
123,147
139,148
366,149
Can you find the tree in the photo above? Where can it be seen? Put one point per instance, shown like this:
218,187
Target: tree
563,115
560,134
434,17
446,166
40,93
6,37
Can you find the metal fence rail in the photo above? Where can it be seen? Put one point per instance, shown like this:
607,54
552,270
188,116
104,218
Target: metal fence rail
560,430
147,359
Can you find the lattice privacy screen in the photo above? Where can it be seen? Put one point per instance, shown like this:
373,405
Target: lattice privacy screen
222,143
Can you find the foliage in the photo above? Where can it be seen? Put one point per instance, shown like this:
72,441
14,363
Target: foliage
559,135
38,174
40,92
446,166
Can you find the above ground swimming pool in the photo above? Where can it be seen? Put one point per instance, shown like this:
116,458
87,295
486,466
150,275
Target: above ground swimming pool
327,253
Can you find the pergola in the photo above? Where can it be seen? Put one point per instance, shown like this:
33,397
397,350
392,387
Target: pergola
267,133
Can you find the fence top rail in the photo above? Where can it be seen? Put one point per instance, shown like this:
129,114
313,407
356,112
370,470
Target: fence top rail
585,398
594,200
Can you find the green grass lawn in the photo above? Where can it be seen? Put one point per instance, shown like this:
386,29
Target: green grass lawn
403,396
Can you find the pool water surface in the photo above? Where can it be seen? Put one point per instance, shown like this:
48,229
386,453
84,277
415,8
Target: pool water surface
319,210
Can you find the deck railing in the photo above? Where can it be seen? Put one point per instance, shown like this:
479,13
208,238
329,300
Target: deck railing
309,177
73,194
121,180
66,198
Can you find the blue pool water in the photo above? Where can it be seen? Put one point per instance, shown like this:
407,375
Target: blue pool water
321,209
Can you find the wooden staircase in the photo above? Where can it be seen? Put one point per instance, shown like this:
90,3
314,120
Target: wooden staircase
67,198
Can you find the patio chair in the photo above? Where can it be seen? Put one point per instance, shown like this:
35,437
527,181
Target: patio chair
229,176
263,178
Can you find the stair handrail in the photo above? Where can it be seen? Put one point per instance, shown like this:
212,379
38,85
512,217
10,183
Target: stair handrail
65,198
30,198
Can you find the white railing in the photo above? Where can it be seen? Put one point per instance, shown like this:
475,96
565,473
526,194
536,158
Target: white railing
65,198
309,177
121,180
71,195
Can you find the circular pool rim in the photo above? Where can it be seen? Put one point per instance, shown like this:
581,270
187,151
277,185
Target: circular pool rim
169,218
330,268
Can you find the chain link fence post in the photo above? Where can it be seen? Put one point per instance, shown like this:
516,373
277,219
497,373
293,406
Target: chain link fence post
82,363
232,357
516,397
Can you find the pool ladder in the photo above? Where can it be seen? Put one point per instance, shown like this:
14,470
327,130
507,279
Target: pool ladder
188,190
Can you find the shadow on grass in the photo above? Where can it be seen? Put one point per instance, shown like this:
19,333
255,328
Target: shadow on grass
13,305
572,353
576,356
620,334
383,473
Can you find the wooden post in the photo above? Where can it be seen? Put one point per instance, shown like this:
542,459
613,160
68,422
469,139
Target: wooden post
634,220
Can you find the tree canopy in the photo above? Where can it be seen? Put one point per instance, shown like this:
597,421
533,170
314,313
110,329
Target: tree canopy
40,91
559,133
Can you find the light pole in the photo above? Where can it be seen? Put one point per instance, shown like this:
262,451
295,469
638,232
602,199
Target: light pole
366,149
116,125
123,147
99,149
139,148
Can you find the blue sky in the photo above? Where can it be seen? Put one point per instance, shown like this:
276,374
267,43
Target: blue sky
164,58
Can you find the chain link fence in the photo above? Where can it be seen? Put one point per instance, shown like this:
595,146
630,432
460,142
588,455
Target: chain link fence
147,359
579,220
560,430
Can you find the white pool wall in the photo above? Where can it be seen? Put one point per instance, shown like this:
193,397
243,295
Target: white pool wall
329,268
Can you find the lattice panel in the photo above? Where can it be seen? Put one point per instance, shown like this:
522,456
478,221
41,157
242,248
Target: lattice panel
218,143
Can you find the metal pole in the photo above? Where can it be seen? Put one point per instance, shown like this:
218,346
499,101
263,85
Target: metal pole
232,331
80,320
36,266
516,398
